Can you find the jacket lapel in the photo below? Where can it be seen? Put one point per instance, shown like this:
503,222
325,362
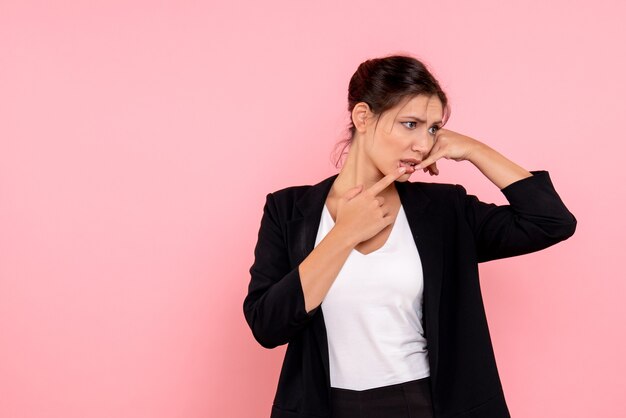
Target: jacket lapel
301,234
426,228
302,229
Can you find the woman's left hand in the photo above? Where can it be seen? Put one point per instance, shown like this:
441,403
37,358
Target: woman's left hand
449,145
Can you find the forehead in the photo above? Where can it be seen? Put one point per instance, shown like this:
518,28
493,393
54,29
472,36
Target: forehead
420,106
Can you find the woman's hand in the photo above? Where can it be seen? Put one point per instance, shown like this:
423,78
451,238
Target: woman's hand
362,213
449,145
455,146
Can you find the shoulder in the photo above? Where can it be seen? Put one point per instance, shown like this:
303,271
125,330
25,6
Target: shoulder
291,190
283,203
285,199
295,192
435,190
443,199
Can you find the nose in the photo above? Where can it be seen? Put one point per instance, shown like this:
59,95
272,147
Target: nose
423,143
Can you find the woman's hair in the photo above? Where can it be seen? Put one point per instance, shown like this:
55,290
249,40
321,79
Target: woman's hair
384,82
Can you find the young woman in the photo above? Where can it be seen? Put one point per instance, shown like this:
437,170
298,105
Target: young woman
372,280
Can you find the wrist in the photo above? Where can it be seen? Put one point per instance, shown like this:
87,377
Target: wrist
342,238
477,151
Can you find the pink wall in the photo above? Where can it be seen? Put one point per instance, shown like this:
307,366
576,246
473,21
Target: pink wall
138,141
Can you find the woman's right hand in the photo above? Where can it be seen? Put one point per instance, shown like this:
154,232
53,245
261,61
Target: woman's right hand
361,214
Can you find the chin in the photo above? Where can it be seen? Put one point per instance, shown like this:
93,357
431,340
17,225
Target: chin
403,177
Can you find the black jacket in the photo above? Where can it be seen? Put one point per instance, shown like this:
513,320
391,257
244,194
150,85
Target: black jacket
453,232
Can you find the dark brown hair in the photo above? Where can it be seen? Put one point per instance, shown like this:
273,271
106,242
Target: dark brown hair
384,82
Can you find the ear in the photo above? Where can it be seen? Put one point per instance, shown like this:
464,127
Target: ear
361,114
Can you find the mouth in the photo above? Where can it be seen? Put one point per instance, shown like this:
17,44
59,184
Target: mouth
409,163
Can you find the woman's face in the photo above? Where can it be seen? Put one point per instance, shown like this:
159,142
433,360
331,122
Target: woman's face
406,131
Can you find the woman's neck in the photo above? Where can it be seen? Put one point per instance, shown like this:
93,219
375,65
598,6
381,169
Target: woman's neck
358,169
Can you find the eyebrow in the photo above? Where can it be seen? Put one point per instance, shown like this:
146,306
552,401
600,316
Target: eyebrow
418,119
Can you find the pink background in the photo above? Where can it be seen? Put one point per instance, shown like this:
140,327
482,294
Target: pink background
138,141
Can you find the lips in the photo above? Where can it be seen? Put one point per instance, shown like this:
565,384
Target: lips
409,164
409,161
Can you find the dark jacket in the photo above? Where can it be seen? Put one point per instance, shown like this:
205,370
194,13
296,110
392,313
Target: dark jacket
453,232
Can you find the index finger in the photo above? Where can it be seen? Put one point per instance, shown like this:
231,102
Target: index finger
382,184
431,159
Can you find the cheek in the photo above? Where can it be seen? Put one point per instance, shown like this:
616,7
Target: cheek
384,147
390,148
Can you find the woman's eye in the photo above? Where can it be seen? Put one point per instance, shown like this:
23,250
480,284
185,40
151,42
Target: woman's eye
434,127
413,125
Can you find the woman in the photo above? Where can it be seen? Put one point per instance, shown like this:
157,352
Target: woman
372,280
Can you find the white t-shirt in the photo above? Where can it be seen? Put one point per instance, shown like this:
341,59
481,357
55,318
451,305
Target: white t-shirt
373,313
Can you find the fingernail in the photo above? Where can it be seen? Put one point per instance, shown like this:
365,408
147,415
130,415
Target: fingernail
402,169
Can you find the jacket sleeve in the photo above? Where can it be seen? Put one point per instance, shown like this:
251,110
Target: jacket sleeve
274,307
534,219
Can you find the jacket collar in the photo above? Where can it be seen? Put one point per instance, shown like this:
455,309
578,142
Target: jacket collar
426,226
